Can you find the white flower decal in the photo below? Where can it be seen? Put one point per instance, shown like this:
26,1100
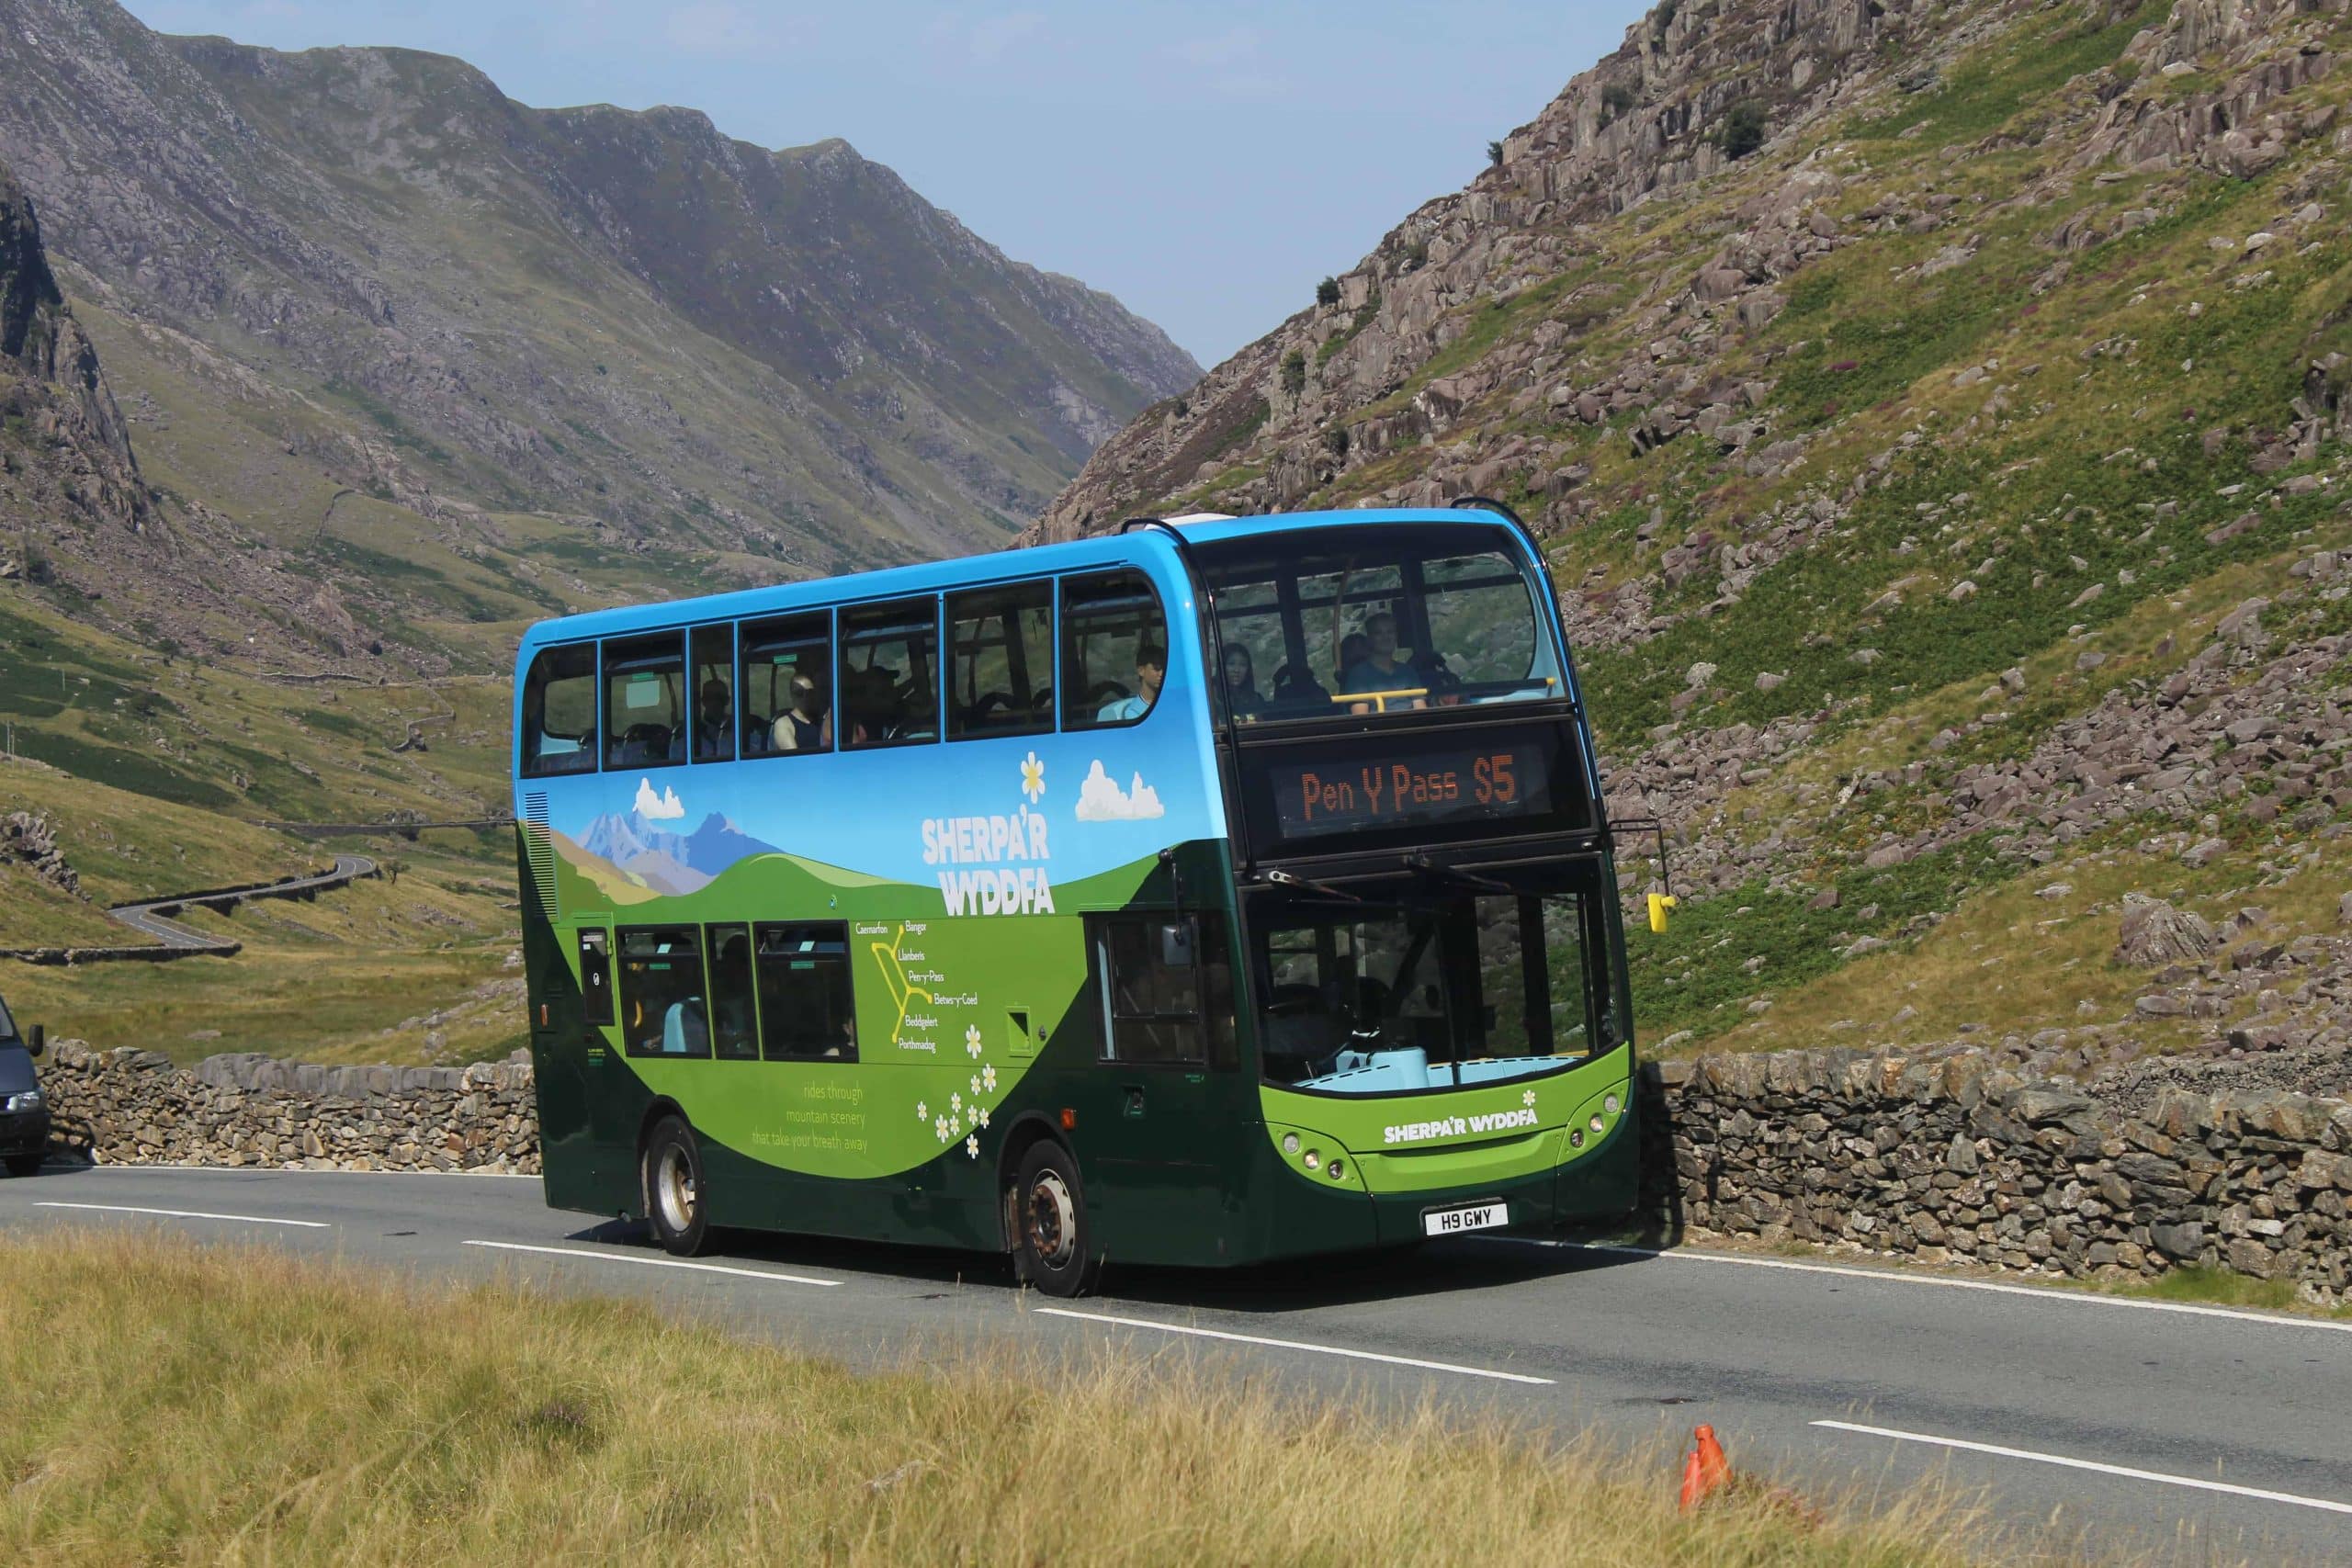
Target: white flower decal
972,1145
956,1104
982,1118
922,1111
1528,1098
976,1086
972,1039
940,1127
1032,777
987,1078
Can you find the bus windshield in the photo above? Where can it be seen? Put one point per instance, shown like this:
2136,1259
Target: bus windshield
1458,987
1377,619
8,1025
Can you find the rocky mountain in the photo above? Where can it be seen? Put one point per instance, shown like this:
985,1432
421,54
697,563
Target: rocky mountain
671,862
64,447
1935,412
472,361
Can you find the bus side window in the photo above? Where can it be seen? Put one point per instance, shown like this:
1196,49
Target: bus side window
1114,649
645,701
662,1010
1001,641
714,686
734,1026
1150,974
889,664
787,690
559,712
807,1011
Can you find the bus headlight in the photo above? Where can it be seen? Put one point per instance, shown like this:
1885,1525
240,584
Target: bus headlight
1610,1105
1598,1123
1290,1142
1312,1159
1339,1169
1575,1137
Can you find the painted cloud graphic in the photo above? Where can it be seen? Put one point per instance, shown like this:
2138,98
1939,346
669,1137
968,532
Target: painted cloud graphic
1101,800
664,807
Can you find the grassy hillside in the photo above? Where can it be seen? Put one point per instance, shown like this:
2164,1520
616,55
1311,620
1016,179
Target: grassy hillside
383,1423
1914,411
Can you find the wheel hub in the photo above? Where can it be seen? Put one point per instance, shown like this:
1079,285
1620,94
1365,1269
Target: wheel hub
1053,1220
673,1189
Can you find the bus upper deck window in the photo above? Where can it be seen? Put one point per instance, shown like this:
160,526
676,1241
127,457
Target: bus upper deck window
1114,649
787,690
559,712
1000,645
714,686
889,674
645,701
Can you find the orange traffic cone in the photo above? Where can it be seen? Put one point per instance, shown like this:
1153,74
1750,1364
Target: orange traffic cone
1713,1468
1705,1469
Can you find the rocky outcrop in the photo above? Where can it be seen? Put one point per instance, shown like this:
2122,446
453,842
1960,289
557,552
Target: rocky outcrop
132,1107
29,840
64,448
1956,1159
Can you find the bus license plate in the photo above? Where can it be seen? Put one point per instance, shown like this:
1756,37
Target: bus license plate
1478,1217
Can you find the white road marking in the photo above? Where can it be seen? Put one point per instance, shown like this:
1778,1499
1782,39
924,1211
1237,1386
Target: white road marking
657,1262
2039,1293
2128,1473
1293,1345
191,1214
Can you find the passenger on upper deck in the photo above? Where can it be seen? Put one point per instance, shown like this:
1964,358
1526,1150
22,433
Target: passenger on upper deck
1381,668
1151,669
1241,683
807,726
714,722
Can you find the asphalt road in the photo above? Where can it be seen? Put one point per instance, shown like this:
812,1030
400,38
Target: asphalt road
2192,1434
142,918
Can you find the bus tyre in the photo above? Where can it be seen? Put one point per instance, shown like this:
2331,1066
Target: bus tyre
1053,1247
676,1197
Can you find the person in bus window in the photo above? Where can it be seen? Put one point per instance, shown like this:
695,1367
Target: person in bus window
1151,669
1241,683
1353,648
1297,688
806,726
714,722
1381,666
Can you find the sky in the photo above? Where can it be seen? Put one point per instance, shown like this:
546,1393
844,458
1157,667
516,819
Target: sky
1206,162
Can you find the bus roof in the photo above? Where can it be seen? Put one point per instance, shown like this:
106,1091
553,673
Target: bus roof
931,577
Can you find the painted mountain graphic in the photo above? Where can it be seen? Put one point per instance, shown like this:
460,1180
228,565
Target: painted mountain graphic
669,863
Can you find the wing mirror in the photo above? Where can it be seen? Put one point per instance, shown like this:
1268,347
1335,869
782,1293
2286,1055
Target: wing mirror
39,1042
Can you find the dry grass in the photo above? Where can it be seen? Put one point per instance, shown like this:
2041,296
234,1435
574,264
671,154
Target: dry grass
220,1407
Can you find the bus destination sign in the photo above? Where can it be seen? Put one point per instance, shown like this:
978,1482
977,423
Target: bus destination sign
1411,786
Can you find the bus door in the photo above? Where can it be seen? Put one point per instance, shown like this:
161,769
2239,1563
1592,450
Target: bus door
566,1042
1166,1070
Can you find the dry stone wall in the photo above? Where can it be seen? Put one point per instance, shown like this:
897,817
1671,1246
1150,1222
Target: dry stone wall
1953,1159
131,1106
1950,1157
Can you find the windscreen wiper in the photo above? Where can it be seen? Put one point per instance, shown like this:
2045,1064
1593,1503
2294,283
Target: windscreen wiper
1428,867
1291,879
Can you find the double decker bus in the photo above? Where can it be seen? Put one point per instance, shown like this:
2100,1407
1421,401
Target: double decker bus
1201,894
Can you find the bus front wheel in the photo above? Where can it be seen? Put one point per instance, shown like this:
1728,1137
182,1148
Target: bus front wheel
676,1197
1055,1247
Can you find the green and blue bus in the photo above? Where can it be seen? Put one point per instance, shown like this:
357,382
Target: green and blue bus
1204,892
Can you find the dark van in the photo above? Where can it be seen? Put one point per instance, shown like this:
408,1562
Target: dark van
24,1111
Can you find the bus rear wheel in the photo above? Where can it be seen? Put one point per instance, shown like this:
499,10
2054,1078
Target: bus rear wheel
676,1196
1054,1246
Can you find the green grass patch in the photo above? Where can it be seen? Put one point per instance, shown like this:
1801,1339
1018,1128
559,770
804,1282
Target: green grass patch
378,1421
